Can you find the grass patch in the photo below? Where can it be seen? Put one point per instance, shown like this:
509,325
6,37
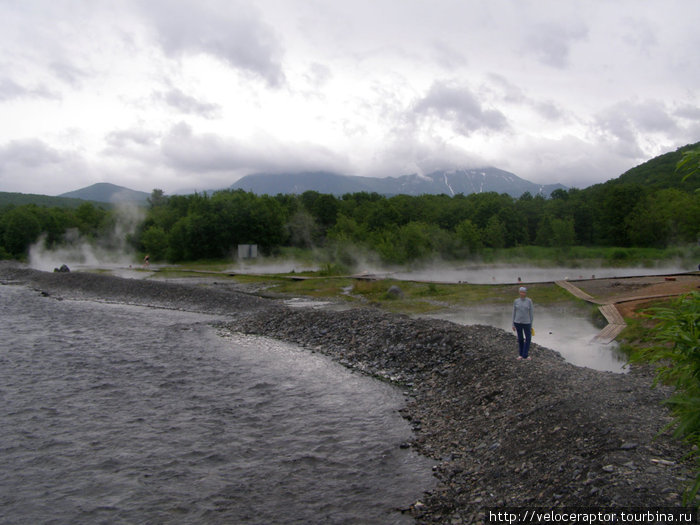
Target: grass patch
328,287
416,297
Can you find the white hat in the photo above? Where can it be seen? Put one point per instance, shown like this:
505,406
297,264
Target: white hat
522,289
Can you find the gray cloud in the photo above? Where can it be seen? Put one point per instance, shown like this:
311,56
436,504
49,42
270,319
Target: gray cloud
186,151
39,168
69,72
229,30
551,43
127,137
187,104
688,112
28,153
570,161
510,93
9,90
550,90
318,74
448,56
627,122
460,107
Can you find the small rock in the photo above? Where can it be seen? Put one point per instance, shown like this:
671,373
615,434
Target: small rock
395,292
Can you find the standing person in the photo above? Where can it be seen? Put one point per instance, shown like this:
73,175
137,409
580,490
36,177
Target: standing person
523,315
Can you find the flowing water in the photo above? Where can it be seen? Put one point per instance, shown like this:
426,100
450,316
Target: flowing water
123,414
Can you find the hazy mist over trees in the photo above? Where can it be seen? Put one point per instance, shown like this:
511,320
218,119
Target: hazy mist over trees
637,209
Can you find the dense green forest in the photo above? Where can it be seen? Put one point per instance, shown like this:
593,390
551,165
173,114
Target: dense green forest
641,211
23,225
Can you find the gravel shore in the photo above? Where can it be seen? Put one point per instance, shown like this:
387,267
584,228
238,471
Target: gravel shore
502,432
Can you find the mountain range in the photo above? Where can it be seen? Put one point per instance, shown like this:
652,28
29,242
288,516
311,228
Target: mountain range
658,173
106,192
450,182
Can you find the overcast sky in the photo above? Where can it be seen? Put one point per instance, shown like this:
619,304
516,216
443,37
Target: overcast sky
193,94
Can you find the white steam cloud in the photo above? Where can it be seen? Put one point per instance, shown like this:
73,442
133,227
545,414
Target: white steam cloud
110,250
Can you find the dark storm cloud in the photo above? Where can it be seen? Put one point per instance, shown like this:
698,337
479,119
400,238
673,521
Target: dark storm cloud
230,31
187,104
460,107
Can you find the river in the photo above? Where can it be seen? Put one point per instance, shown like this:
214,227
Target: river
122,414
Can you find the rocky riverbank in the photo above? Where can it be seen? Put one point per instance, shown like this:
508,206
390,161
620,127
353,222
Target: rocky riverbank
502,432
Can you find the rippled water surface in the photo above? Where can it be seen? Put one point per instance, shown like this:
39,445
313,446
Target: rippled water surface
120,414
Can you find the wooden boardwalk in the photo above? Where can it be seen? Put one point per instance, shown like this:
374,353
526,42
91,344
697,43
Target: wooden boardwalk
616,322
576,291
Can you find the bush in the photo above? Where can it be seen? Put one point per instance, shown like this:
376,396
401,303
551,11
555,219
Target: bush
676,350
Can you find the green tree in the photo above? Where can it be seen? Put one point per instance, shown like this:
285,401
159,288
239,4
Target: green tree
347,229
545,232
178,241
664,218
302,229
689,165
563,234
155,242
468,236
157,199
325,210
617,203
418,240
21,228
494,235
89,219
381,215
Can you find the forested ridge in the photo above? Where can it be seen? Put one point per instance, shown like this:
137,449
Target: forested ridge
657,207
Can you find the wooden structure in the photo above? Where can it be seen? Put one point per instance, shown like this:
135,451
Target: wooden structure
616,322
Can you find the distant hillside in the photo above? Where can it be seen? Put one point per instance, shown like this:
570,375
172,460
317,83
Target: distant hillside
20,199
660,172
320,181
106,192
451,182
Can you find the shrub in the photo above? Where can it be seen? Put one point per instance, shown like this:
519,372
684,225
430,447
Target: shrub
676,351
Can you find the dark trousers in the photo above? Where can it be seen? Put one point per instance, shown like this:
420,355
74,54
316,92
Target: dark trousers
524,332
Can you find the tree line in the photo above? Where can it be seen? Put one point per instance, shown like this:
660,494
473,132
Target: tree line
405,228
399,228
23,225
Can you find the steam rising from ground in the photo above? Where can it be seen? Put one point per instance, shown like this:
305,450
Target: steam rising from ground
505,274
110,250
443,272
